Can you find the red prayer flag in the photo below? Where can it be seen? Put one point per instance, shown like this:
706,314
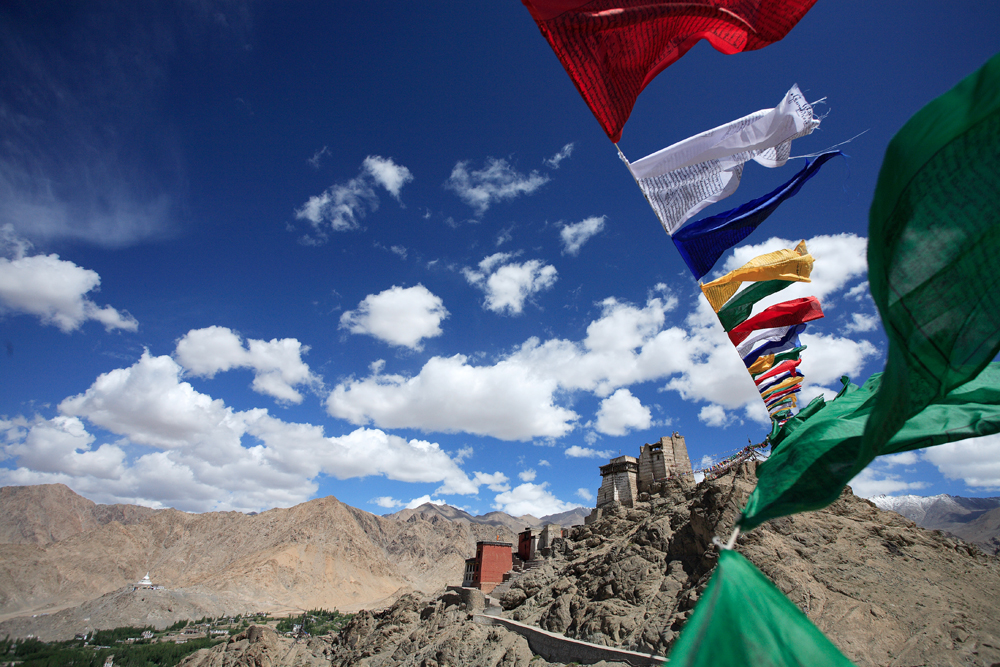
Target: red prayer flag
786,313
612,49
786,365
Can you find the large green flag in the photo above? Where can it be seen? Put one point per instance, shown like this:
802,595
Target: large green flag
933,244
819,450
743,619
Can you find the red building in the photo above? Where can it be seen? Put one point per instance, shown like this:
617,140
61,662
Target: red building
493,560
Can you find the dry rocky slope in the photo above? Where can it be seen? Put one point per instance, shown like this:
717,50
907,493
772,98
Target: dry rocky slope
883,590
67,558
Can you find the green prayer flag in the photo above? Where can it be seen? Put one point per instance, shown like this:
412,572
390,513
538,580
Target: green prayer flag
738,309
934,239
743,619
819,450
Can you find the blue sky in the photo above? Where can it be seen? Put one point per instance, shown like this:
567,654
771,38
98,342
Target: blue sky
258,253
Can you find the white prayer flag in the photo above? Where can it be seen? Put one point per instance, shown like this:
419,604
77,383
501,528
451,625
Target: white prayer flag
681,180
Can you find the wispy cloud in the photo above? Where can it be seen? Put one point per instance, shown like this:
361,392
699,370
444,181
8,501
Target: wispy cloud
575,235
554,161
342,206
496,181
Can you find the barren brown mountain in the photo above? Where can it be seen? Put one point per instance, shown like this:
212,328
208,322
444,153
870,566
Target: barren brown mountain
63,550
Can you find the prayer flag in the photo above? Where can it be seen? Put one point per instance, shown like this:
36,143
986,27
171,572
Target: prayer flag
743,619
782,386
738,308
933,243
762,364
702,242
795,311
786,365
773,335
819,450
789,341
612,49
682,179
794,265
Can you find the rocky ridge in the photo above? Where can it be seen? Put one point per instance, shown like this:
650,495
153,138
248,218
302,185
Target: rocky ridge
883,590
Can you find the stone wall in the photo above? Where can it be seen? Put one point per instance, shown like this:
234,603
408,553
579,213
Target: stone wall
559,648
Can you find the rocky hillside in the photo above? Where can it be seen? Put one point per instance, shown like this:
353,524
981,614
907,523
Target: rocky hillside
62,551
882,589
573,517
48,513
974,520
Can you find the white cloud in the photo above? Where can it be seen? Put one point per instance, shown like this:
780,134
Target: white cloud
496,181
423,500
871,482
527,475
861,323
578,452
554,161
387,173
518,396
544,464
575,235
621,413
496,482
509,284
975,461
507,401
399,316
713,415
533,499
53,289
388,502
277,364
178,447
902,459
585,494
398,250
342,206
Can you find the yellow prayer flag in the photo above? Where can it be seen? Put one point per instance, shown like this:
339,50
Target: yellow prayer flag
792,265
762,364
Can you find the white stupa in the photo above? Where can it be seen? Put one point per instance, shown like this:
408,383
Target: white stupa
145,584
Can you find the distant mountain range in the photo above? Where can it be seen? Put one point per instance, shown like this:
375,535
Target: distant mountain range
67,559
974,520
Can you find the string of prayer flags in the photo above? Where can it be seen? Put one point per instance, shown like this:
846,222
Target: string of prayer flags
819,450
701,243
934,235
680,180
613,49
933,243
743,619
796,311
784,264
